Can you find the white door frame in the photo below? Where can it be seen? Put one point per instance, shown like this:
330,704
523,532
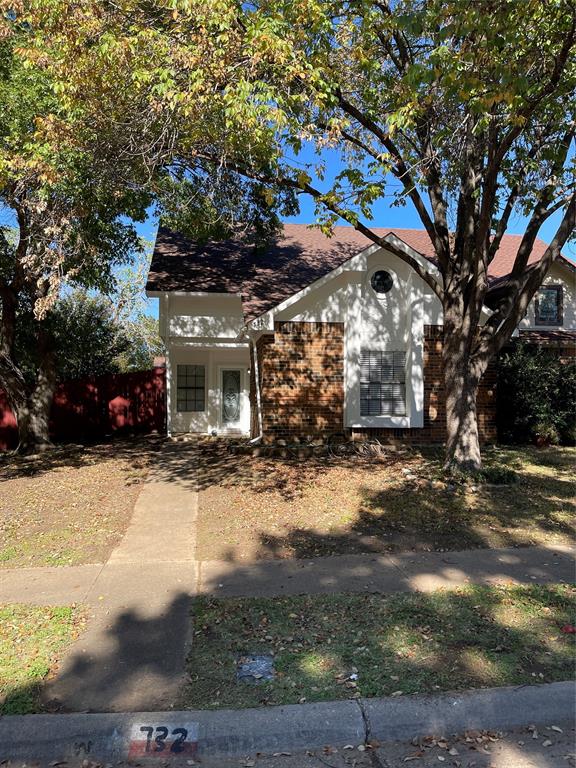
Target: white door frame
244,398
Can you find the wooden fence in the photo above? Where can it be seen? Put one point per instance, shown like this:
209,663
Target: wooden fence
97,406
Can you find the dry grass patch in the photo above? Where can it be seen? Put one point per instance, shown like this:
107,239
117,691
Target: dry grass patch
255,508
346,646
70,505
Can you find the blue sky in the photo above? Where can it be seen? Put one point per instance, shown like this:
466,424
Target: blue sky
385,215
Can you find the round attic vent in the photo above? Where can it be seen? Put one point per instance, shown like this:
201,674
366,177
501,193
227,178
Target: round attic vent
381,281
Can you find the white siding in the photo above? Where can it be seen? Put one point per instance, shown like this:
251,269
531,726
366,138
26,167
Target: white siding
203,330
214,360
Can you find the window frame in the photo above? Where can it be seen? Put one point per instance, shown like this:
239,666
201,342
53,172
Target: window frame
559,290
380,384
193,387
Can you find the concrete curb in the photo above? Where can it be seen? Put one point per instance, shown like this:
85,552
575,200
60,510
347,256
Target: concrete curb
236,733
491,708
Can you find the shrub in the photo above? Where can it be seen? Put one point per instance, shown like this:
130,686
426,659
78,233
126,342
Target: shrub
536,396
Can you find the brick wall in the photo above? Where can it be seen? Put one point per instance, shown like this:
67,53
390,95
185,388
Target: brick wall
301,380
302,387
434,429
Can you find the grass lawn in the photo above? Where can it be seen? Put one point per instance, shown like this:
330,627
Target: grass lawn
32,639
256,508
336,647
71,505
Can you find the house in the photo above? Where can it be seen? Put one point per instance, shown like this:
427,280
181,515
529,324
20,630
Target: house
319,335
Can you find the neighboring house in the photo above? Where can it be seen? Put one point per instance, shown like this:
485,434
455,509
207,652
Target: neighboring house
319,335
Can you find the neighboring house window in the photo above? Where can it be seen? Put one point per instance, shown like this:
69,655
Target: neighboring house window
548,305
382,383
190,387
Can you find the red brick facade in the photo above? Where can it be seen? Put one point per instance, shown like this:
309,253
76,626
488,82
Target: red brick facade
301,369
434,429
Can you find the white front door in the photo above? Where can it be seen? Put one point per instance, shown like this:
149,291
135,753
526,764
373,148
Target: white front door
231,397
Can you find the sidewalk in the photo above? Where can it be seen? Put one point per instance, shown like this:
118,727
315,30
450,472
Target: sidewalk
405,572
131,656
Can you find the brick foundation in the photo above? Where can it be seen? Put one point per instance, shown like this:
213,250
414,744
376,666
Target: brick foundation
302,387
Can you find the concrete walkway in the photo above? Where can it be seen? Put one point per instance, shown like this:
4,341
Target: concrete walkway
132,654
403,572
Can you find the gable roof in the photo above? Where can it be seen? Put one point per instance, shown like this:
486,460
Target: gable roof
298,257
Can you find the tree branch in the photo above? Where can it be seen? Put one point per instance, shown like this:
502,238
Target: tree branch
402,173
316,194
494,165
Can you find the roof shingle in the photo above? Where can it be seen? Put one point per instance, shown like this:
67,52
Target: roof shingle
299,256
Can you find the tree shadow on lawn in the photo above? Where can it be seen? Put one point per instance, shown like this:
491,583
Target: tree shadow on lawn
135,450
416,643
397,514
139,669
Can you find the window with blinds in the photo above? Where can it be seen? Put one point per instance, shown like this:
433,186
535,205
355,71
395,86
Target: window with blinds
190,387
382,383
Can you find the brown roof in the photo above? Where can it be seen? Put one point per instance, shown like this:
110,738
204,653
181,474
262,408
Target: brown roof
301,255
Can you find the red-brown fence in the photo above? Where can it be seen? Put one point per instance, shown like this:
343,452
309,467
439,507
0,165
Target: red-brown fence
90,408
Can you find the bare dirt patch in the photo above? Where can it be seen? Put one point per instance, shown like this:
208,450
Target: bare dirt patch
259,508
70,505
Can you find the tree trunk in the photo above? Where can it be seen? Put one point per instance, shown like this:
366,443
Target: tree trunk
31,406
34,429
33,417
462,375
462,441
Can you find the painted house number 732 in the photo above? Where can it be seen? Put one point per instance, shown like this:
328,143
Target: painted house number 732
156,738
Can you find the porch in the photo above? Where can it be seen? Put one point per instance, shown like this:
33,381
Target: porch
208,390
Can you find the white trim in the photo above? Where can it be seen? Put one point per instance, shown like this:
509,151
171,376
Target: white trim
164,315
356,263
401,245
206,343
169,390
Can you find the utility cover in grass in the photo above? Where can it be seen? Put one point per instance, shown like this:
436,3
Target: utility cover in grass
254,668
